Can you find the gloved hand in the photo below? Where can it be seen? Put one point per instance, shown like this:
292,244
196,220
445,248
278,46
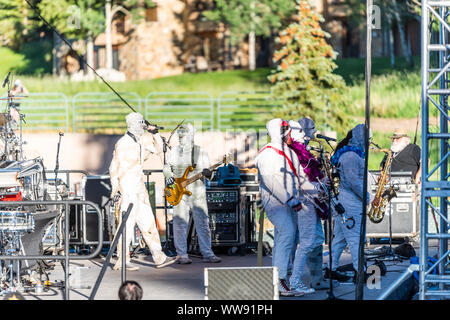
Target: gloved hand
170,181
207,173
389,193
297,207
117,196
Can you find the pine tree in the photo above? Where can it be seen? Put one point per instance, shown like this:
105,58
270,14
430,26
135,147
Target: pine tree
304,80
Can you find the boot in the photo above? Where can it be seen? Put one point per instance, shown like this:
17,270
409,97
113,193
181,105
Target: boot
336,275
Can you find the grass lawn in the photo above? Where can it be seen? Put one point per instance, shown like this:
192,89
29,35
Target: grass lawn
395,91
210,82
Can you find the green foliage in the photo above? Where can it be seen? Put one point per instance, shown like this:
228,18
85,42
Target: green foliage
75,18
35,59
304,79
136,8
16,22
244,16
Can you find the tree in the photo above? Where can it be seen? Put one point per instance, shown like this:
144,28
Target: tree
82,19
16,22
304,80
393,13
251,17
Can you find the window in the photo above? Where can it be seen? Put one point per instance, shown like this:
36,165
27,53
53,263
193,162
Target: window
151,14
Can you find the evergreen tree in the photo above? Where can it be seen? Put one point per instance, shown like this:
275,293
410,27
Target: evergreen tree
304,80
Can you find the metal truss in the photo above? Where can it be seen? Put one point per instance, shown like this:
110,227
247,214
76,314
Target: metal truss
434,274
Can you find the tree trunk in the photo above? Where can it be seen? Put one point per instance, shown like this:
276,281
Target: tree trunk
251,51
108,44
401,30
251,41
391,42
90,55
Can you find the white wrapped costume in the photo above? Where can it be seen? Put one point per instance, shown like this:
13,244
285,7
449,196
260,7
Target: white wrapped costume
127,177
310,231
179,159
351,167
281,180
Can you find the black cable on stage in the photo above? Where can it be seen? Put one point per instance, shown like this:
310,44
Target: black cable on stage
84,60
359,293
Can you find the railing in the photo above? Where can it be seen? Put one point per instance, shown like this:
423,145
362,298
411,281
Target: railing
45,111
167,109
244,110
99,111
66,257
104,112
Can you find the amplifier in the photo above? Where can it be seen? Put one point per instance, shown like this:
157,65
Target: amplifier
98,190
53,234
250,181
403,210
226,217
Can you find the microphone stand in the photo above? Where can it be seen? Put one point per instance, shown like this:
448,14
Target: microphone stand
57,166
167,244
7,83
330,292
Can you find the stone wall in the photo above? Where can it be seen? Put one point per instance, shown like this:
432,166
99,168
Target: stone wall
150,52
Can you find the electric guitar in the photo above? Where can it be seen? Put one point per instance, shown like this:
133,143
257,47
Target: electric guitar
175,192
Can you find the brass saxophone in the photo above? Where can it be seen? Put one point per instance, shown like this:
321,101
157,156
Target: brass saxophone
383,194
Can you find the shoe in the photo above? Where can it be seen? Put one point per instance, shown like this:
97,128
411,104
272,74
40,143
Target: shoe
128,265
284,289
301,289
336,275
212,259
182,260
167,262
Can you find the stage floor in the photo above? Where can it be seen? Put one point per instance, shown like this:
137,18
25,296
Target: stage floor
186,282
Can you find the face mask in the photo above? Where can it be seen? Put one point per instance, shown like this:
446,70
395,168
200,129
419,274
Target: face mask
136,127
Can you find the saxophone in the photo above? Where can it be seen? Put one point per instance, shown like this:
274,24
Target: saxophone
383,194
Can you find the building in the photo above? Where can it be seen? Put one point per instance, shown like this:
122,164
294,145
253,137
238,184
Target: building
174,37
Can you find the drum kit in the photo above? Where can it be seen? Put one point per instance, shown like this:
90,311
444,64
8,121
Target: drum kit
17,182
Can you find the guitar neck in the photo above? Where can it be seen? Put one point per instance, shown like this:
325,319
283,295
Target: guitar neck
199,175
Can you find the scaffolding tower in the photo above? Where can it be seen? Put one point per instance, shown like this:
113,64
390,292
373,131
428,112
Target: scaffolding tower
434,278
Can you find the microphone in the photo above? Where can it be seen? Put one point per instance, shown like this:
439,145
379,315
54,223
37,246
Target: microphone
319,136
309,148
6,79
153,125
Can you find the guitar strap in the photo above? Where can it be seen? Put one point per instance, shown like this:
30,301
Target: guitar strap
140,147
291,165
193,157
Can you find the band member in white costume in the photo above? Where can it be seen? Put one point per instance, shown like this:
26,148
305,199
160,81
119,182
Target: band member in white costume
127,180
179,159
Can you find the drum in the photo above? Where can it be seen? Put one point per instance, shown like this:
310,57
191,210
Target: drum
16,221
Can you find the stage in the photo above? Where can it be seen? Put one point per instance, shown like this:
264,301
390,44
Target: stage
186,282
